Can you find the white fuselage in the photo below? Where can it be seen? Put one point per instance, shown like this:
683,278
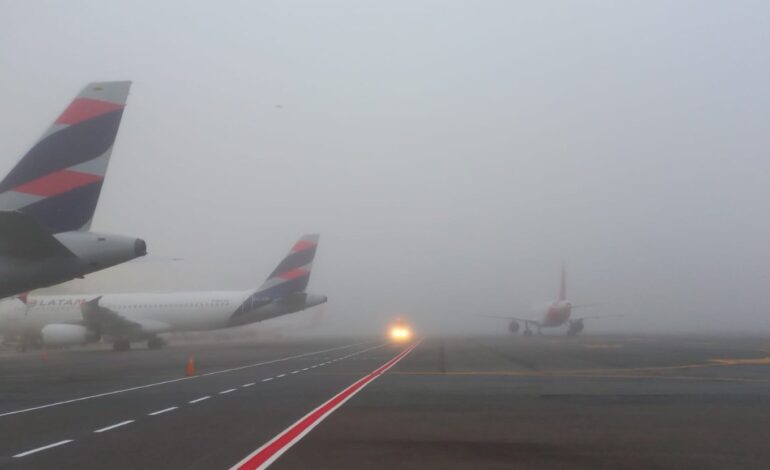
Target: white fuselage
157,313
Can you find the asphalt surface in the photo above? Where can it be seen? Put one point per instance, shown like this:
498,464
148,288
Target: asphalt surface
454,402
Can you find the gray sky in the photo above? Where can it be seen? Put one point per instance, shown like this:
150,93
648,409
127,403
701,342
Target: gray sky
450,153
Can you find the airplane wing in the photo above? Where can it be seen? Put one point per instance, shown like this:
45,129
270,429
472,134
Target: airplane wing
594,317
526,320
585,305
110,323
22,237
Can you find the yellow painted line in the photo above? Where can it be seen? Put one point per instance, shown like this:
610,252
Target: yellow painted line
739,362
582,372
712,363
587,376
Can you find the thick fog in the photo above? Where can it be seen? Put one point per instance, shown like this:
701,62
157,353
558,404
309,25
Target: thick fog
451,154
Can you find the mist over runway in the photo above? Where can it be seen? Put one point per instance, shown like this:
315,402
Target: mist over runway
452,402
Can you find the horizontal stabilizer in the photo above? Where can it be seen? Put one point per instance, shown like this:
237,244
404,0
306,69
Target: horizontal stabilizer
22,237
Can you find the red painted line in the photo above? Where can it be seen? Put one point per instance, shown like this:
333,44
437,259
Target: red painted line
269,453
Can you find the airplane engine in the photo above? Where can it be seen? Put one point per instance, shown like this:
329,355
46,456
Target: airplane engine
575,327
513,327
61,334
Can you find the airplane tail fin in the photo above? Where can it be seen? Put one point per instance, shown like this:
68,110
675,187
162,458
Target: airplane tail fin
59,180
563,286
293,272
287,282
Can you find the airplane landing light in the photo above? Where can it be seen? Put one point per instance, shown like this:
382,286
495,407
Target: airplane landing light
400,334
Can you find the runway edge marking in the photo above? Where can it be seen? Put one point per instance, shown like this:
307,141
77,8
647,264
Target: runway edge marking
264,456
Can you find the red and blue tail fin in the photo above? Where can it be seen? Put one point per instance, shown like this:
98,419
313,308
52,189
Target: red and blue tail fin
293,272
290,277
59,180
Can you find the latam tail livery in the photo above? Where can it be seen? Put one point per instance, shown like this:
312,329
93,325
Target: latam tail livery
555,314
48,199
125,318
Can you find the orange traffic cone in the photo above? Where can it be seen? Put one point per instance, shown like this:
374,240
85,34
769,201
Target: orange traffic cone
190,367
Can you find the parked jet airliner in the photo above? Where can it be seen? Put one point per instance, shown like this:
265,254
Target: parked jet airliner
48,199
62,320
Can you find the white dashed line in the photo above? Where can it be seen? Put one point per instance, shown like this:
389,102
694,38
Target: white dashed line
165,382
55,444
116,425
165,410
172,408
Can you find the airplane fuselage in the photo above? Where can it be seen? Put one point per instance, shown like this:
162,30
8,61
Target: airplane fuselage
556,314
156,313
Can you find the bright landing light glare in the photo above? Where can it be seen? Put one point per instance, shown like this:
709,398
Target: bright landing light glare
400,333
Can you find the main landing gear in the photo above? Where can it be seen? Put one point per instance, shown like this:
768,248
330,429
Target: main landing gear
29,342
156,342
528,330
575,327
